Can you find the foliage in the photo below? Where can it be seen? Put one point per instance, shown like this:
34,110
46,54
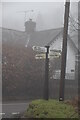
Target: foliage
23,76
21,72
49,109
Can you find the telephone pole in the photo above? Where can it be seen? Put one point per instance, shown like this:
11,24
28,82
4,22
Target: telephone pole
78,60
64,52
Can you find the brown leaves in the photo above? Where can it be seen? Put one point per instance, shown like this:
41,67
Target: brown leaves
21,72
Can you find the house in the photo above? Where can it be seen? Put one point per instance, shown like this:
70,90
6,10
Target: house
50,37
54,38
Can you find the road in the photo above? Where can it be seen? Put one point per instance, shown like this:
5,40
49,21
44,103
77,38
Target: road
12,110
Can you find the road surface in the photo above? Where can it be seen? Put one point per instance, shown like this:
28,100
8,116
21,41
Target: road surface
12,110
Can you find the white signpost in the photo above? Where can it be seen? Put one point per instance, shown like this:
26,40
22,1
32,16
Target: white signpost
39,49
40,56
42,53
54,56
55,52
43,56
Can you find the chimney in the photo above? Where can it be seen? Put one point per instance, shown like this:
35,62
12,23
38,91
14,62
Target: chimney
30,26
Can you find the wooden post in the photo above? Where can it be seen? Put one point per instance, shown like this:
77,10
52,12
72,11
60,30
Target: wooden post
64,52
46,83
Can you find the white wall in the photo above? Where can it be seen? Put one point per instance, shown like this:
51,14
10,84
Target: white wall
70,65
57,44
70,58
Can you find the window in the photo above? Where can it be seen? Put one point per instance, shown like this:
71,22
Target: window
72,70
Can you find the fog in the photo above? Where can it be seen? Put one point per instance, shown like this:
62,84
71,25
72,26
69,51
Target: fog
48,15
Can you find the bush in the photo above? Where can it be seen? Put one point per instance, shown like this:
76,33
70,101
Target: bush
50,109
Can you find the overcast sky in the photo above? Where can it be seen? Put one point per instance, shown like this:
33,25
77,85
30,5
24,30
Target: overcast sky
47,15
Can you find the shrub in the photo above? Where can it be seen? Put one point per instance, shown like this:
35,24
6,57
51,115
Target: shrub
50,109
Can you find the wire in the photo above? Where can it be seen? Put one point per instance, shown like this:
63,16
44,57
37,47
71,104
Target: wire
72,24
74,19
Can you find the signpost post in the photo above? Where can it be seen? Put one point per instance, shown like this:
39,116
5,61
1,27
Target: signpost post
43,53
46,82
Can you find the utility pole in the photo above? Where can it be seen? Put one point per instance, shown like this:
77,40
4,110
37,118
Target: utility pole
46,82
64,51
78,60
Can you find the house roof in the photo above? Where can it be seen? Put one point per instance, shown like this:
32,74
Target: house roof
47,37
43,38
14,37
38,38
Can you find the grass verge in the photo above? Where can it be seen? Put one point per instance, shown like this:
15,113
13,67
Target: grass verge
50,109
